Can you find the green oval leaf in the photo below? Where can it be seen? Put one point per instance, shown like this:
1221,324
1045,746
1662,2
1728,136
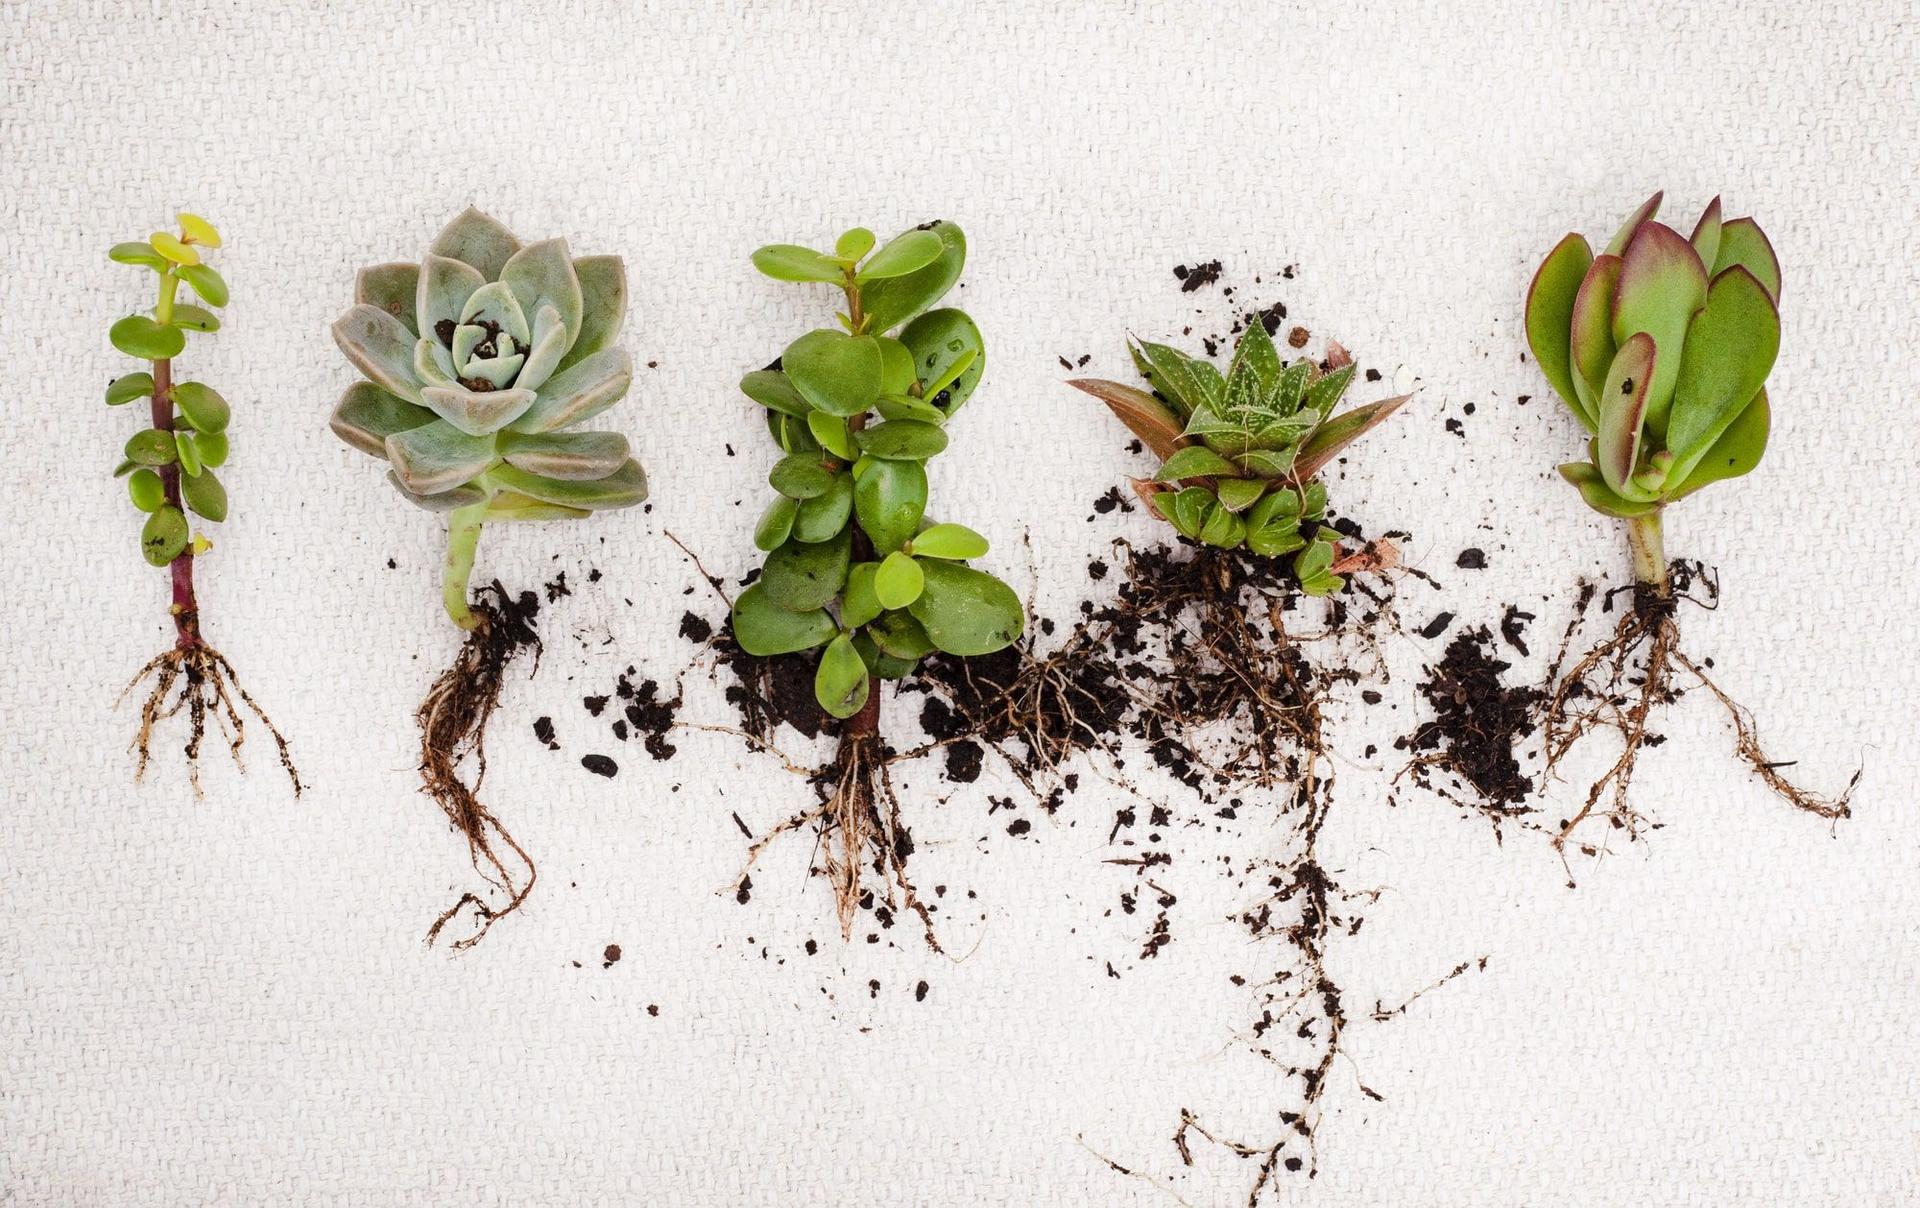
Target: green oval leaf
189,455
140,253
151,447
171,247
949,356
212,446
189,317
893,301
776,524
853,244
901,440
955,542
205,496
967,611
202,406
139,336
801,476
129,387
763,628
896,367
907,252
890,497
831,433
899,636
771,389
1195,461
1549,314
825,515
801,576
898,581
146,490
206,282
859,603
791,262
838,373
163,536
840,682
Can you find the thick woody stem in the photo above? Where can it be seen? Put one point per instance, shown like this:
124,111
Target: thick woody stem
186,613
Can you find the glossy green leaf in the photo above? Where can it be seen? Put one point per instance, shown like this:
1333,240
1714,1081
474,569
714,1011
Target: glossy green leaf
202,406
151,447
949,356
1238,494
187,454
1628,229
1273,524
213,447
771,389
207,283
170,246
791,262
1195,461
967,611
1313,568
899,636
830,432
905,406
1706,233
189,317
897,376
1623,408
624,487
1593,489
139,336
164,535
840,681
838,373
1324,392
825,515
140,253
1662,285
1255,370
801,576
1550,313
1188,383
859,603
955,542
891,302
801,476
890,497
790,434
901,440
1591,341
1730,350
146,490
205,496
853,244
776,524
1222,528
905,253
881,664
764,629
1737,452
898,581
1191,507
128,387
1743,243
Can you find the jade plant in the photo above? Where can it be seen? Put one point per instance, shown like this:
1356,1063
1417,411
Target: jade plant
480,363
856,569
1240,452
170,469
1660,346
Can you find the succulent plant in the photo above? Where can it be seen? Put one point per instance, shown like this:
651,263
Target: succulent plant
1240,451
853,564
1660,346
480,362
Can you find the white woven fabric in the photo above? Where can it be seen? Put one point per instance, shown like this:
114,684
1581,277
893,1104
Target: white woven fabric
228,1001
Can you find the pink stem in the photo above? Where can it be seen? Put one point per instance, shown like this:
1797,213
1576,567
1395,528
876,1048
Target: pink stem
186,613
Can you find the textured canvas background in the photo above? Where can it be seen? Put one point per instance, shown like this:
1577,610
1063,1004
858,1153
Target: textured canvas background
228,1000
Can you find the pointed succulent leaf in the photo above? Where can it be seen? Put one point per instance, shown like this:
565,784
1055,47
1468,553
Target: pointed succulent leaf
838,373
1623,409
512,505
478,240
1730,349
202,406
791,262
603,306
1238,494
1594,490
776,524
765,629
1144,415
1628,229
623,488
138,252
1290,388
1190,509
394,288
1332,437
823,517
966,611
444,501
433,363
901,440
163,536
573,456
901,406
1737,452
1268,463
366,415
579,392
801,576
381,347
438,457
206,282
1255,370
1324,394
495,303
948,356
139,336
771,389
126,388
1313,566
1591,342
541,274
898,581
891,302
1743,243
474,413
1550,313
203,493
801,476
1195,461
549,342
953,542
1706,233
1186,382
907,252
890,498
1662,285
1223,529
840,682
442,288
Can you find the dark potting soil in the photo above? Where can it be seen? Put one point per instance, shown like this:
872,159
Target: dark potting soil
1478,720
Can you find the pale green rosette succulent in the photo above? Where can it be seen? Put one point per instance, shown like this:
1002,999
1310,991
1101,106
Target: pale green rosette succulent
479,362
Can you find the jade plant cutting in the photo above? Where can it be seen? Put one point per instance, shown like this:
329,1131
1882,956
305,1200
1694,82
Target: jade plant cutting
169,467
1660,346
856,569
481,362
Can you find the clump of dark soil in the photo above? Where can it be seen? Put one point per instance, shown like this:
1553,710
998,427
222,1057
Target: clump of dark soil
1477,725
453,728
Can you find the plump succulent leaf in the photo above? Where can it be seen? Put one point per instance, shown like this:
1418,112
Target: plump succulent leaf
890,498
381,347
791,262
197,229
1188,383
965,611
954,542
776,524
825,515
1144,415
571,456
146,490
187,454
478,240
1628,229
438,457
541,275
207,283
949,356
1623,410
840,681
139,336
1238,494
1730,349
366,415
127,387
1330,439
623,488
1662,285
831,433
213,447
901,440
898,581
1743,243
1706,233
859,602
1591,340
579,392
895,300
173,248
603,295
853,244
1593,489
204,494
151,447
771,389
1549,315
394,288
899,636
202,406
801,576
907,252
137,253
188,317
802,475
512,505
477,414
835,372
444,501
1737,452
765,629
164,535
442,288
1195,461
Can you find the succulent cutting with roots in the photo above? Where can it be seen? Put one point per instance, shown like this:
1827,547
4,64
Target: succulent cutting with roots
1660,346
480,363
169,467
855,568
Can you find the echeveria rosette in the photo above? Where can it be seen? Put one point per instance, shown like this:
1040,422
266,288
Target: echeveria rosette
1661,347
1240,451
479,361
855,567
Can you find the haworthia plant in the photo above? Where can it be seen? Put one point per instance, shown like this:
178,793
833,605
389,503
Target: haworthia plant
855,567
1240,451
1660,346
480,363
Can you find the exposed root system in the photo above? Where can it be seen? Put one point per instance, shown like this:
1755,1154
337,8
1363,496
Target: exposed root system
197,680
1616,686
453,727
